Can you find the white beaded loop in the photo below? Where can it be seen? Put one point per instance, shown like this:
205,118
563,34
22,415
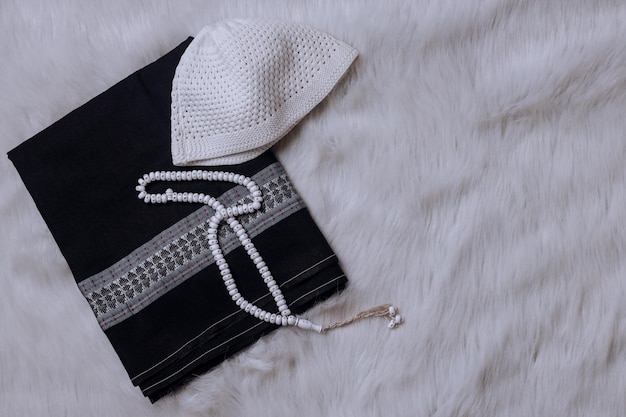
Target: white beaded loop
229,214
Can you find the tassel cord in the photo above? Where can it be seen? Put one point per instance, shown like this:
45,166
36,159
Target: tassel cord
384,310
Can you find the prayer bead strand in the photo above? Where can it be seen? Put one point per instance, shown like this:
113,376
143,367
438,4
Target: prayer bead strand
228,214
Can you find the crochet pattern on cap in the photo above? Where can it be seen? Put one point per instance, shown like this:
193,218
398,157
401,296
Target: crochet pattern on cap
242,85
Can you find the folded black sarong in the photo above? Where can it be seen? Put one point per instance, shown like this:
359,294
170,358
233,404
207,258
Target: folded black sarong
146,270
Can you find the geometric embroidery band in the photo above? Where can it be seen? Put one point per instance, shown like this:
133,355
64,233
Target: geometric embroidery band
182,250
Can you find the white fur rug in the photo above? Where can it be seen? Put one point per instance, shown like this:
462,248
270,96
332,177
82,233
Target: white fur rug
471,169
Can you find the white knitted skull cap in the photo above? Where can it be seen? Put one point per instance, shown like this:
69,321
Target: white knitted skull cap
241,85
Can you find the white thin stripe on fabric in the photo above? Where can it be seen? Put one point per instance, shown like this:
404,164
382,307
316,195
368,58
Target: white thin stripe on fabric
231,315
234,337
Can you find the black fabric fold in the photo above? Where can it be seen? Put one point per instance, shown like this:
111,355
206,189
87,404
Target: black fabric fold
145,270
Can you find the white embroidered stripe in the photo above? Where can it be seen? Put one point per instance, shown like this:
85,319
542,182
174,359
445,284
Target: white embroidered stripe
327,259
331,282
197,256
179,252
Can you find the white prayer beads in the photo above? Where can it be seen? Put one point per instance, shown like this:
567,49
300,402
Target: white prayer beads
228,214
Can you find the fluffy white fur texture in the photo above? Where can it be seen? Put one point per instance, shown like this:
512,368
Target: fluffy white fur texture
470,169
